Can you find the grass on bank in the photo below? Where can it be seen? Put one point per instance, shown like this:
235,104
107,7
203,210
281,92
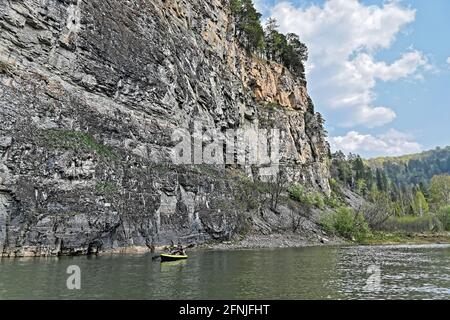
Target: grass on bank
348,224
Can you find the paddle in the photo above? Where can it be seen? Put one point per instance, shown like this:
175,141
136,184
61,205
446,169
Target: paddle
156,258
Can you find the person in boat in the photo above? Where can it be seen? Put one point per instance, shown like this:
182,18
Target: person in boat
178,251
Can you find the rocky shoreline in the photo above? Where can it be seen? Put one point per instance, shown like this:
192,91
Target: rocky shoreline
255,241
251,242
273,241
383,238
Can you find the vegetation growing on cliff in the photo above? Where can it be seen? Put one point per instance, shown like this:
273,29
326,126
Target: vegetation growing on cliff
76,140
287,50
308,198
248,25
268,42
107,187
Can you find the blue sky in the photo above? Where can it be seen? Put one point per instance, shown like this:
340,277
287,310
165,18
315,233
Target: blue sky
378,70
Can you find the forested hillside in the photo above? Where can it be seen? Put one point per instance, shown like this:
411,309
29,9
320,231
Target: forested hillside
411,191
414,169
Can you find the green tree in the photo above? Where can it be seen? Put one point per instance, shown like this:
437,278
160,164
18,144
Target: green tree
296,54
420,204
378,209
444,217
343,168
300,49
277,47
285,49
440,191
248,25
270,33
361,187
359,168
382,180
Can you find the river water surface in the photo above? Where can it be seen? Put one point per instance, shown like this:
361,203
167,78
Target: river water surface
377,272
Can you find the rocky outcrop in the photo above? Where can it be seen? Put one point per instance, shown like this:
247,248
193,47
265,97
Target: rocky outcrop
90,95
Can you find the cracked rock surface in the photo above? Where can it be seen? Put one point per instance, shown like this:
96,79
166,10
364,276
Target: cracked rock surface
90,94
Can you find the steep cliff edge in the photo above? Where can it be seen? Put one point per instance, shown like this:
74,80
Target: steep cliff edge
90,95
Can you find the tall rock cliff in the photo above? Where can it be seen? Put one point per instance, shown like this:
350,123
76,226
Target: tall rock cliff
90,95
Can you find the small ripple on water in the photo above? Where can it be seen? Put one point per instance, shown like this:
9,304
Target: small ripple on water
407,271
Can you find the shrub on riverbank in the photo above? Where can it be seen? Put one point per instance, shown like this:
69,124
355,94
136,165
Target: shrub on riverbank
346,223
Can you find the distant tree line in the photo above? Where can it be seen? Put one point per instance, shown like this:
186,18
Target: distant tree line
415,169
268,42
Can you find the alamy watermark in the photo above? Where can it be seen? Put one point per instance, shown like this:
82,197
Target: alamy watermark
373,283
74,280
251,146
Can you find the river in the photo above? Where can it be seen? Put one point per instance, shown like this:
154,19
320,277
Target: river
352,272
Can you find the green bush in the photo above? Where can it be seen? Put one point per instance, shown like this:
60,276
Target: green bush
344,222
107,187
319,200
333,183
297,192
333,201
306,198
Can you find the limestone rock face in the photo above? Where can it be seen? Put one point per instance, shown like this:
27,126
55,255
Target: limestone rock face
90,95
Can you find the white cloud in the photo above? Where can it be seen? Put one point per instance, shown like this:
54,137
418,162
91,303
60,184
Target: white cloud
344,37
370,116
448,60
392,143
